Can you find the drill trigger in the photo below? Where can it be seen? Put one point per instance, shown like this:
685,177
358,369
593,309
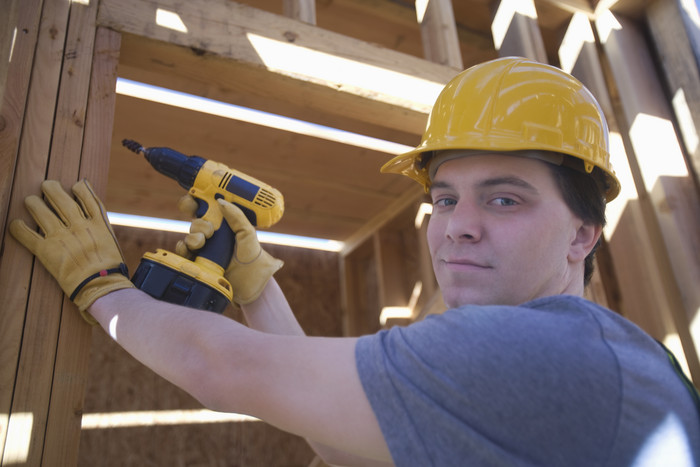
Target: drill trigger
202,207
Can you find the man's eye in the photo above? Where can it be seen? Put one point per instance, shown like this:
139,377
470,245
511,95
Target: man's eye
444,202
504,201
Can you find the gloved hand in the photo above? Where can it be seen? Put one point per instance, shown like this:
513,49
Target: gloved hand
78,247
250,267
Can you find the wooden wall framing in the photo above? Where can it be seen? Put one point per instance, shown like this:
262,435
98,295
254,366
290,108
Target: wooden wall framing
56,117
50,132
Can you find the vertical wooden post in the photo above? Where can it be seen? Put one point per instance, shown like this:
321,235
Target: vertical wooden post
71,368
647,127
302,10
672,35
627,239
390,268
8,31
44,350
32,86
439,32
515,30
359,291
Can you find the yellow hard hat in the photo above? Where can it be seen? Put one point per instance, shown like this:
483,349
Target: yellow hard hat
514,104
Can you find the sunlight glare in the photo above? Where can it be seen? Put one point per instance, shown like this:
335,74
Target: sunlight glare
113,327
92,421
421,8
650,136
182,100
405,90
628,191
170,20
577,35
271,238
685,121
19,436
606,24
394,312
402,312
507,10
668,445
425,209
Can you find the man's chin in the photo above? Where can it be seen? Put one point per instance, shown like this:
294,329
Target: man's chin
462,298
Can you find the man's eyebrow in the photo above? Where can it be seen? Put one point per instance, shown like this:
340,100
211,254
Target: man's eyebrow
440,185
508,180
490,182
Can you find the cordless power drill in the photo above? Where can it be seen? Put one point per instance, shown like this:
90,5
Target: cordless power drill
201,283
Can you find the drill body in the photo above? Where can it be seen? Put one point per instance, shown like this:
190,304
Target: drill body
200,283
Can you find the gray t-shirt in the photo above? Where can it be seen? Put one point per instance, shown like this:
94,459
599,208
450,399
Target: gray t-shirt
557,381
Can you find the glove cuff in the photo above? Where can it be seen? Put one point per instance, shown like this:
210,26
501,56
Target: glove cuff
247,289
121,269
97,287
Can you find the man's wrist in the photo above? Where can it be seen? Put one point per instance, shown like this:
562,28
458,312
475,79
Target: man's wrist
104,306
121,269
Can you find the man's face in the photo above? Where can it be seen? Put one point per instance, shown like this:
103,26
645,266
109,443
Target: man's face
500,232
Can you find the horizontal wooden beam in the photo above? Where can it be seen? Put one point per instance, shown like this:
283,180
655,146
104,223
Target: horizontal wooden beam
572,6
289,59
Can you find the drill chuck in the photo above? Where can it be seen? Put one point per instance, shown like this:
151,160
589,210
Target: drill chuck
169,162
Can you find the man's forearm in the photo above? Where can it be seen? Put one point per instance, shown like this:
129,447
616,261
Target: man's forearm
176,342
271,313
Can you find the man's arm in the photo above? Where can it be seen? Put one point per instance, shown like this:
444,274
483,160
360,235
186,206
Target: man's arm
305,385
271,313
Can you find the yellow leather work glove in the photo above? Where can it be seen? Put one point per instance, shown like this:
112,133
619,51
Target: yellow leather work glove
78,247
250,267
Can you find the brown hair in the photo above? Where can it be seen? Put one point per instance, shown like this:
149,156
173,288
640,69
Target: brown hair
584,194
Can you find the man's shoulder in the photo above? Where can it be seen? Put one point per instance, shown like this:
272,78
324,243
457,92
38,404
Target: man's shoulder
554,309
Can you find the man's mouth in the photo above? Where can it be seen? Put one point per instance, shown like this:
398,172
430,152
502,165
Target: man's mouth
464,263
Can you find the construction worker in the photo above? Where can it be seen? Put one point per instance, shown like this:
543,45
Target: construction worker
520,371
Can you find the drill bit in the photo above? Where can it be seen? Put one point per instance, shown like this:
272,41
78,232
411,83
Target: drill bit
133,146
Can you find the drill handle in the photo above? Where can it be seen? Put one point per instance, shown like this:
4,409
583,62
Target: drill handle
219,247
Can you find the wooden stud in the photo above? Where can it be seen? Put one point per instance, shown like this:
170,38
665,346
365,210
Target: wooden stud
578,55
388,251
516,32
302,10
49,378
41,49
41,333
70,373
671,33
644,111
439,32
360,295
8,32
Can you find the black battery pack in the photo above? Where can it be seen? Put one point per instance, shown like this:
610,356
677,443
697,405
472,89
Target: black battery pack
166,284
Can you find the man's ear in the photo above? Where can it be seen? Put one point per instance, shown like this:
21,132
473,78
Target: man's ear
584,241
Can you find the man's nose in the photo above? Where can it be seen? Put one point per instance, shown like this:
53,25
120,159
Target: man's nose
465,223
